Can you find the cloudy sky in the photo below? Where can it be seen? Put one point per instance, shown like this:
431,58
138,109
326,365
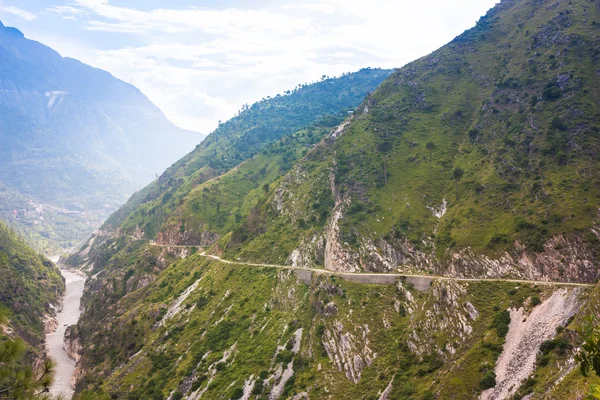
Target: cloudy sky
199,61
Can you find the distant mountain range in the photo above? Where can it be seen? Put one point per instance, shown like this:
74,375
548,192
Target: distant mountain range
73,137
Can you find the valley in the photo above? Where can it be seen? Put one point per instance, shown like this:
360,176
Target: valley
430,232
76,143
67,316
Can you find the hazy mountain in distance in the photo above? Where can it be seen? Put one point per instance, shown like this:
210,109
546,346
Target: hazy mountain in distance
73,136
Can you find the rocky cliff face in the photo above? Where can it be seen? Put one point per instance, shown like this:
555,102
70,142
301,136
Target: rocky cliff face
174,236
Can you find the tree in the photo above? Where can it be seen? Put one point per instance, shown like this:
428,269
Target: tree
385,146
589,355
266,188
19,381
457,175
430,146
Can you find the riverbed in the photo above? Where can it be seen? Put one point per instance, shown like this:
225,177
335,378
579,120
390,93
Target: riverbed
69,315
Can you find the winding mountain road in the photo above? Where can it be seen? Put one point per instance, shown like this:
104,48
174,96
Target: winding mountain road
377,278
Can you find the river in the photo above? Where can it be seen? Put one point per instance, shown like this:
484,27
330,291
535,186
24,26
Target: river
69,315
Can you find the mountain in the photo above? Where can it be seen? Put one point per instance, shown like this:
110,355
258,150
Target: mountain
468,177
30,286
74,137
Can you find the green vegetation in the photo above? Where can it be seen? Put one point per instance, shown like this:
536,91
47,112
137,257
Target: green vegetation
264,135
468,161
29,284
501,323
452,129
448,154
589,357
18,380
241,320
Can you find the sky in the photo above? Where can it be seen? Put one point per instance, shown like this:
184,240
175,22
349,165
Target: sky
200,61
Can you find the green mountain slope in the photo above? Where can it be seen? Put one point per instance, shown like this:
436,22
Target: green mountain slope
255,131
479,160
208,329
30,285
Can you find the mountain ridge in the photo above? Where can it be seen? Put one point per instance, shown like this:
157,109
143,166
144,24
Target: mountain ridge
75,137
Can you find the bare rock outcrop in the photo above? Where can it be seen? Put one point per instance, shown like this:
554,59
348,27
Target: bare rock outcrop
447,311
309,254
564,258
189,237
72,343
337,258
385,395
349,353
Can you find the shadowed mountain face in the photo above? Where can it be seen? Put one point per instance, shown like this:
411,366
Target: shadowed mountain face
73,136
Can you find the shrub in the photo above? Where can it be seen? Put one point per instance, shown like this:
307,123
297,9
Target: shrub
258,387
535,300
488,381
497,239
178,395
285,357
558,124
220,366
428,395
237,394
320,329
551,92
542,360
501,323
558,344
289,386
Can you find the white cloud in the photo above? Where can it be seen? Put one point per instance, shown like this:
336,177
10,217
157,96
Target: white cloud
201,64
26,15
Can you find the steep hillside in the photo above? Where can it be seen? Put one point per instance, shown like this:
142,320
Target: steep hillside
477,161
73,136
30,285
206,329
263,128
